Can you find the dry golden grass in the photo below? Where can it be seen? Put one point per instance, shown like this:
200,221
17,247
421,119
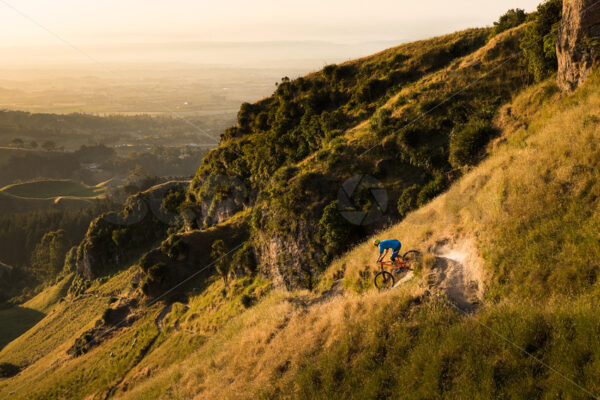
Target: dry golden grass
530,211
268,350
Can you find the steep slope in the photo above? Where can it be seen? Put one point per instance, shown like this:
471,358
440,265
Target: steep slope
507,286
290,154
525,220
529,213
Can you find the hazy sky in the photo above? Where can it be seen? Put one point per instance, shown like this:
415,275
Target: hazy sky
348,21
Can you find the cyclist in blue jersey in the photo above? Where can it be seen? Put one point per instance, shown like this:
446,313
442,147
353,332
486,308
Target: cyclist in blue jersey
385,246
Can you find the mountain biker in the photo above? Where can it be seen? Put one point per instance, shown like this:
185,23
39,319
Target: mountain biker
387,245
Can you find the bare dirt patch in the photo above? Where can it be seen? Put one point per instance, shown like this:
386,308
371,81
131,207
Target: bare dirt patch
458,272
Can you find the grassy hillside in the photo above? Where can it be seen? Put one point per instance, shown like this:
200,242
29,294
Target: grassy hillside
408,342
534,238
381,116
498,188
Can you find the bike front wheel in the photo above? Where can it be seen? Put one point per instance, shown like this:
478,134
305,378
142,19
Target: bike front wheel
384,280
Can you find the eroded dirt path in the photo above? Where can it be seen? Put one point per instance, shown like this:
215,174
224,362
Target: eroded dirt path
458,273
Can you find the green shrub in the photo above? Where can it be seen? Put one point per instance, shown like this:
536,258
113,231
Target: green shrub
467,143
145,263
219,255
382,122
174,246
512,18
539,40
334,230
157,272
173,199
432,189
244,259
408,200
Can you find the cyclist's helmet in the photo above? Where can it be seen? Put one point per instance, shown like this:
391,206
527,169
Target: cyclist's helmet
376,242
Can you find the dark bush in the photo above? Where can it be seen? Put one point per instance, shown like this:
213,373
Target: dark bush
157,272
174,246
8,370
247,301
106,315
371,90
432,189
219,255
244,259
408,200
334,230
467,143
173,200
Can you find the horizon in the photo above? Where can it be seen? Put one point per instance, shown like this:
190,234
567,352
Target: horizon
37,32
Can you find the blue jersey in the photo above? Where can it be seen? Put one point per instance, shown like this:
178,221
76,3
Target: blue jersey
389,244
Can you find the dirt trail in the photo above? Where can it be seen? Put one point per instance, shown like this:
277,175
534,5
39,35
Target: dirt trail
403,278
458,272
161,316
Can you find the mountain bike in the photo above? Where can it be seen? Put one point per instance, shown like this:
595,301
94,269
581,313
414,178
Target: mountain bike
385,279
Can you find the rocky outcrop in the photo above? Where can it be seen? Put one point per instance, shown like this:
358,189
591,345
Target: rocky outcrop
219,198
116,238
575,46
189,254
286,258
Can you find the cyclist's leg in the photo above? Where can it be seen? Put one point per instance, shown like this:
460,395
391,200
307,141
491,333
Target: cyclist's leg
395,255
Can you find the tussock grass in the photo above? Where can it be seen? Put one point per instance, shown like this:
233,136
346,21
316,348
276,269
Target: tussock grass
530,209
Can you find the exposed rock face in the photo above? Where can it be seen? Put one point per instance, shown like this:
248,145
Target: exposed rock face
115,238
575,50
285,260
185,254
221,197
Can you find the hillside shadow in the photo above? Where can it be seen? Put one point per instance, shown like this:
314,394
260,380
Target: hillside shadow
15,321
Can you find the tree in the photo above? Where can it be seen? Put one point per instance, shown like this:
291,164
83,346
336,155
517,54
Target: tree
334,230
219,255
139,180
33,144
244,261
17,142
539,40
510,19
49,255
49,145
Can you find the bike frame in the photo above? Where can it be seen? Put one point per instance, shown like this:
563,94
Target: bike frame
397,264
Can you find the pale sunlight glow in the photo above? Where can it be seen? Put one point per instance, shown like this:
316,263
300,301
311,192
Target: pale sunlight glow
346,21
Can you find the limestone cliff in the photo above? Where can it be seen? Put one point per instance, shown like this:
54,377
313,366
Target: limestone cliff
575,46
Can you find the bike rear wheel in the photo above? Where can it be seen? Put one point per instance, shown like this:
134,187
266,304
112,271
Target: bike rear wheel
384,280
